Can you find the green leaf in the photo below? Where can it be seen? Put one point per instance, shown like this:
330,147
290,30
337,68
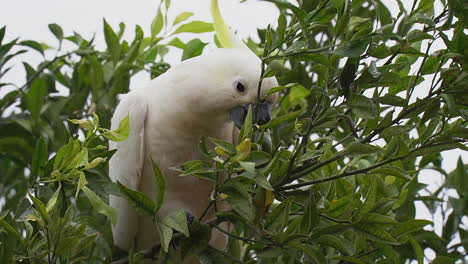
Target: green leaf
100,206
57,31
182,17
33,45
374,232
258,178
157,24
66,153
258,157
371,198
374,218
281,28
178,222
431,110
39,157
343,245
248,166
227,147
2,33
390,99
357,148
165,234
312,254
40,207
409,226
112,42
34,97
176,42
247,129
81,183
362,106
194,27
393,171
239,199
280,88
121,133
198,168
11,230
53,201
350,259
418,251
351,49
79,160
278,219
417,35
200,234
193,48
311,218
160,185
138,200
396,131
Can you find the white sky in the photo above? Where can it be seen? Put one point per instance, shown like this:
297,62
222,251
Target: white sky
28,19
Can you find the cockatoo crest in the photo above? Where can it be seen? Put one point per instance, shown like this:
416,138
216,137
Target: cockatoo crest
226,36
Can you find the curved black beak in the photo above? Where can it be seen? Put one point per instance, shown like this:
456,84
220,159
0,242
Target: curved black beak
262,115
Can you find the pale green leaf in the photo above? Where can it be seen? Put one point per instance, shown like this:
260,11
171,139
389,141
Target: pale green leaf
178,222
100,206
194,27
182,17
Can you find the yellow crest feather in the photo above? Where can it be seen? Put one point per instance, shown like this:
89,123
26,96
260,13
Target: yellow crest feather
222,30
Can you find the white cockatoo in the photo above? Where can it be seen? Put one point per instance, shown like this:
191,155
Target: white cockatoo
204,96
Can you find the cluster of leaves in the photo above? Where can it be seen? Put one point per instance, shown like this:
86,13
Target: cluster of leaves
45,217
365,107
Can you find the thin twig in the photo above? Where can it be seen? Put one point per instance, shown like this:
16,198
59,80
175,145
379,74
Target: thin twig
247,240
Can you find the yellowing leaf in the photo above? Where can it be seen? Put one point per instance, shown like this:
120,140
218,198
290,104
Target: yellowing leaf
84,123
95,163
121,133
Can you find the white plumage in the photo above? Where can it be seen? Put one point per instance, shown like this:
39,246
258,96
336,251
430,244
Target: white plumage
167,120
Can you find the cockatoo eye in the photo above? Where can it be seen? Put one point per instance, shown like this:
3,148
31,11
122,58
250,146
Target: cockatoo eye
240,87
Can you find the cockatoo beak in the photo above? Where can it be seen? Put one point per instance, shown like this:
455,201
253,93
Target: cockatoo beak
263,113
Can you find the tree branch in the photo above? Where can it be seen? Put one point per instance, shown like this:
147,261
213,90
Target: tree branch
355,172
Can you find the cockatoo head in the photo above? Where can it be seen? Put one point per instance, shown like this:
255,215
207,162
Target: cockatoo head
237,72
227,85
223,84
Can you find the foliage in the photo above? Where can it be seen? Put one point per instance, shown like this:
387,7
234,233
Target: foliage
365,106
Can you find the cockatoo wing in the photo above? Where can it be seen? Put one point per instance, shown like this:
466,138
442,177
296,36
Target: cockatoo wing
126,165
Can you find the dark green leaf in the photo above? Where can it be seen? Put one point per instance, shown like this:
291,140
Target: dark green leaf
57,31
138,200
112,41
160,185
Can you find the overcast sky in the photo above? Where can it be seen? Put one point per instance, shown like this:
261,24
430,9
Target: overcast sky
28,19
